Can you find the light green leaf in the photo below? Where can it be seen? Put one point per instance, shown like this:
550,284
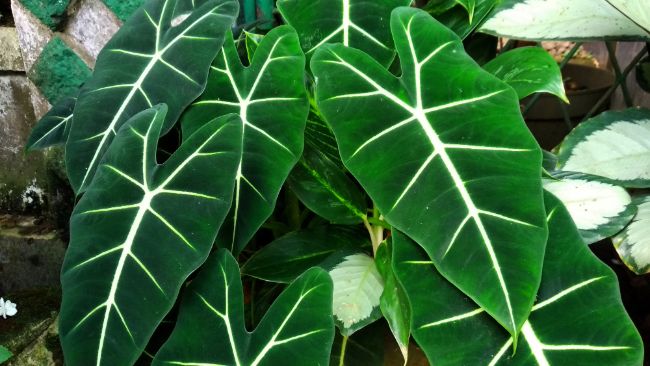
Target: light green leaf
252,42
633,243
298,327
599,208
325,189
635,10
286,258
614,145
54,127
5,354
271,98
529,70
470,6
131,247
561,20
361,24
357,289
165,42
578,318
394,302
442,163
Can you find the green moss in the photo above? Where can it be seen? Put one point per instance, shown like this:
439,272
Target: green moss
123,8
50,12
58,72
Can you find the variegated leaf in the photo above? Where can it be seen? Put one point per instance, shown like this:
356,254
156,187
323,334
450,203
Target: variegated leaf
633,244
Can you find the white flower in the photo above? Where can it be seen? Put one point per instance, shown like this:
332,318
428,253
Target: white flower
7,308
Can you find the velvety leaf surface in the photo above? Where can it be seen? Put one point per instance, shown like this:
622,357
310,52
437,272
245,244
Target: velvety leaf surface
297,329
54,127
561,20
578,318
361,24
287,257
446,157
598,207
270,97
614,145
131,247
529,70
165,43
633,243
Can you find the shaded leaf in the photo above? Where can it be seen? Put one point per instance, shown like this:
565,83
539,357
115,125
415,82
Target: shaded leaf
54,127
210,329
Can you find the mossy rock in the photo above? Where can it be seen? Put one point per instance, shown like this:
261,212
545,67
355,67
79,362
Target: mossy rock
49,12
59,72
123,8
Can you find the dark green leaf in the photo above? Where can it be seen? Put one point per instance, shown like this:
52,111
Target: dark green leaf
252,42
5,354
298,328
131,247
160,55
394,303
54,127
362,24
643,74
287,257
271,98
457,20
578,318
363,348
454,167
529,70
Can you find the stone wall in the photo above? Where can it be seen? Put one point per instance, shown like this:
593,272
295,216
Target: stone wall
48,49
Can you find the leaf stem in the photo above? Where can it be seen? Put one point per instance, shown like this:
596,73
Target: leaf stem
344,344
376,231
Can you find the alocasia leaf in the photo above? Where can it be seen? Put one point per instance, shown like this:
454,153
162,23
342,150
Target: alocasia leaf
5,354
287,257
297,329
361,24
164,43
614,145
366,347
470,6
529,70
54,127
443,152
457,19
270,97
131,247
578,318
598,207
561,20
633,243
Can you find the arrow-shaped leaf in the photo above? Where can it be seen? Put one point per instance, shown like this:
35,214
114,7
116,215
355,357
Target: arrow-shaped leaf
445,155
270,97
298,328
131,247
54,127
578,318
360,24
160,55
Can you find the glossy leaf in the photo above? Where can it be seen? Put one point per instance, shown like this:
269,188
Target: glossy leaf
357,289
287,257
635,10
361,24
440,151
633,243
457,19
164,43
271,98
470,6
599,208
394,302
614,145
561,20
437,7
529,70
324,188
131,247
54,127
298,327
252,42
578,318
